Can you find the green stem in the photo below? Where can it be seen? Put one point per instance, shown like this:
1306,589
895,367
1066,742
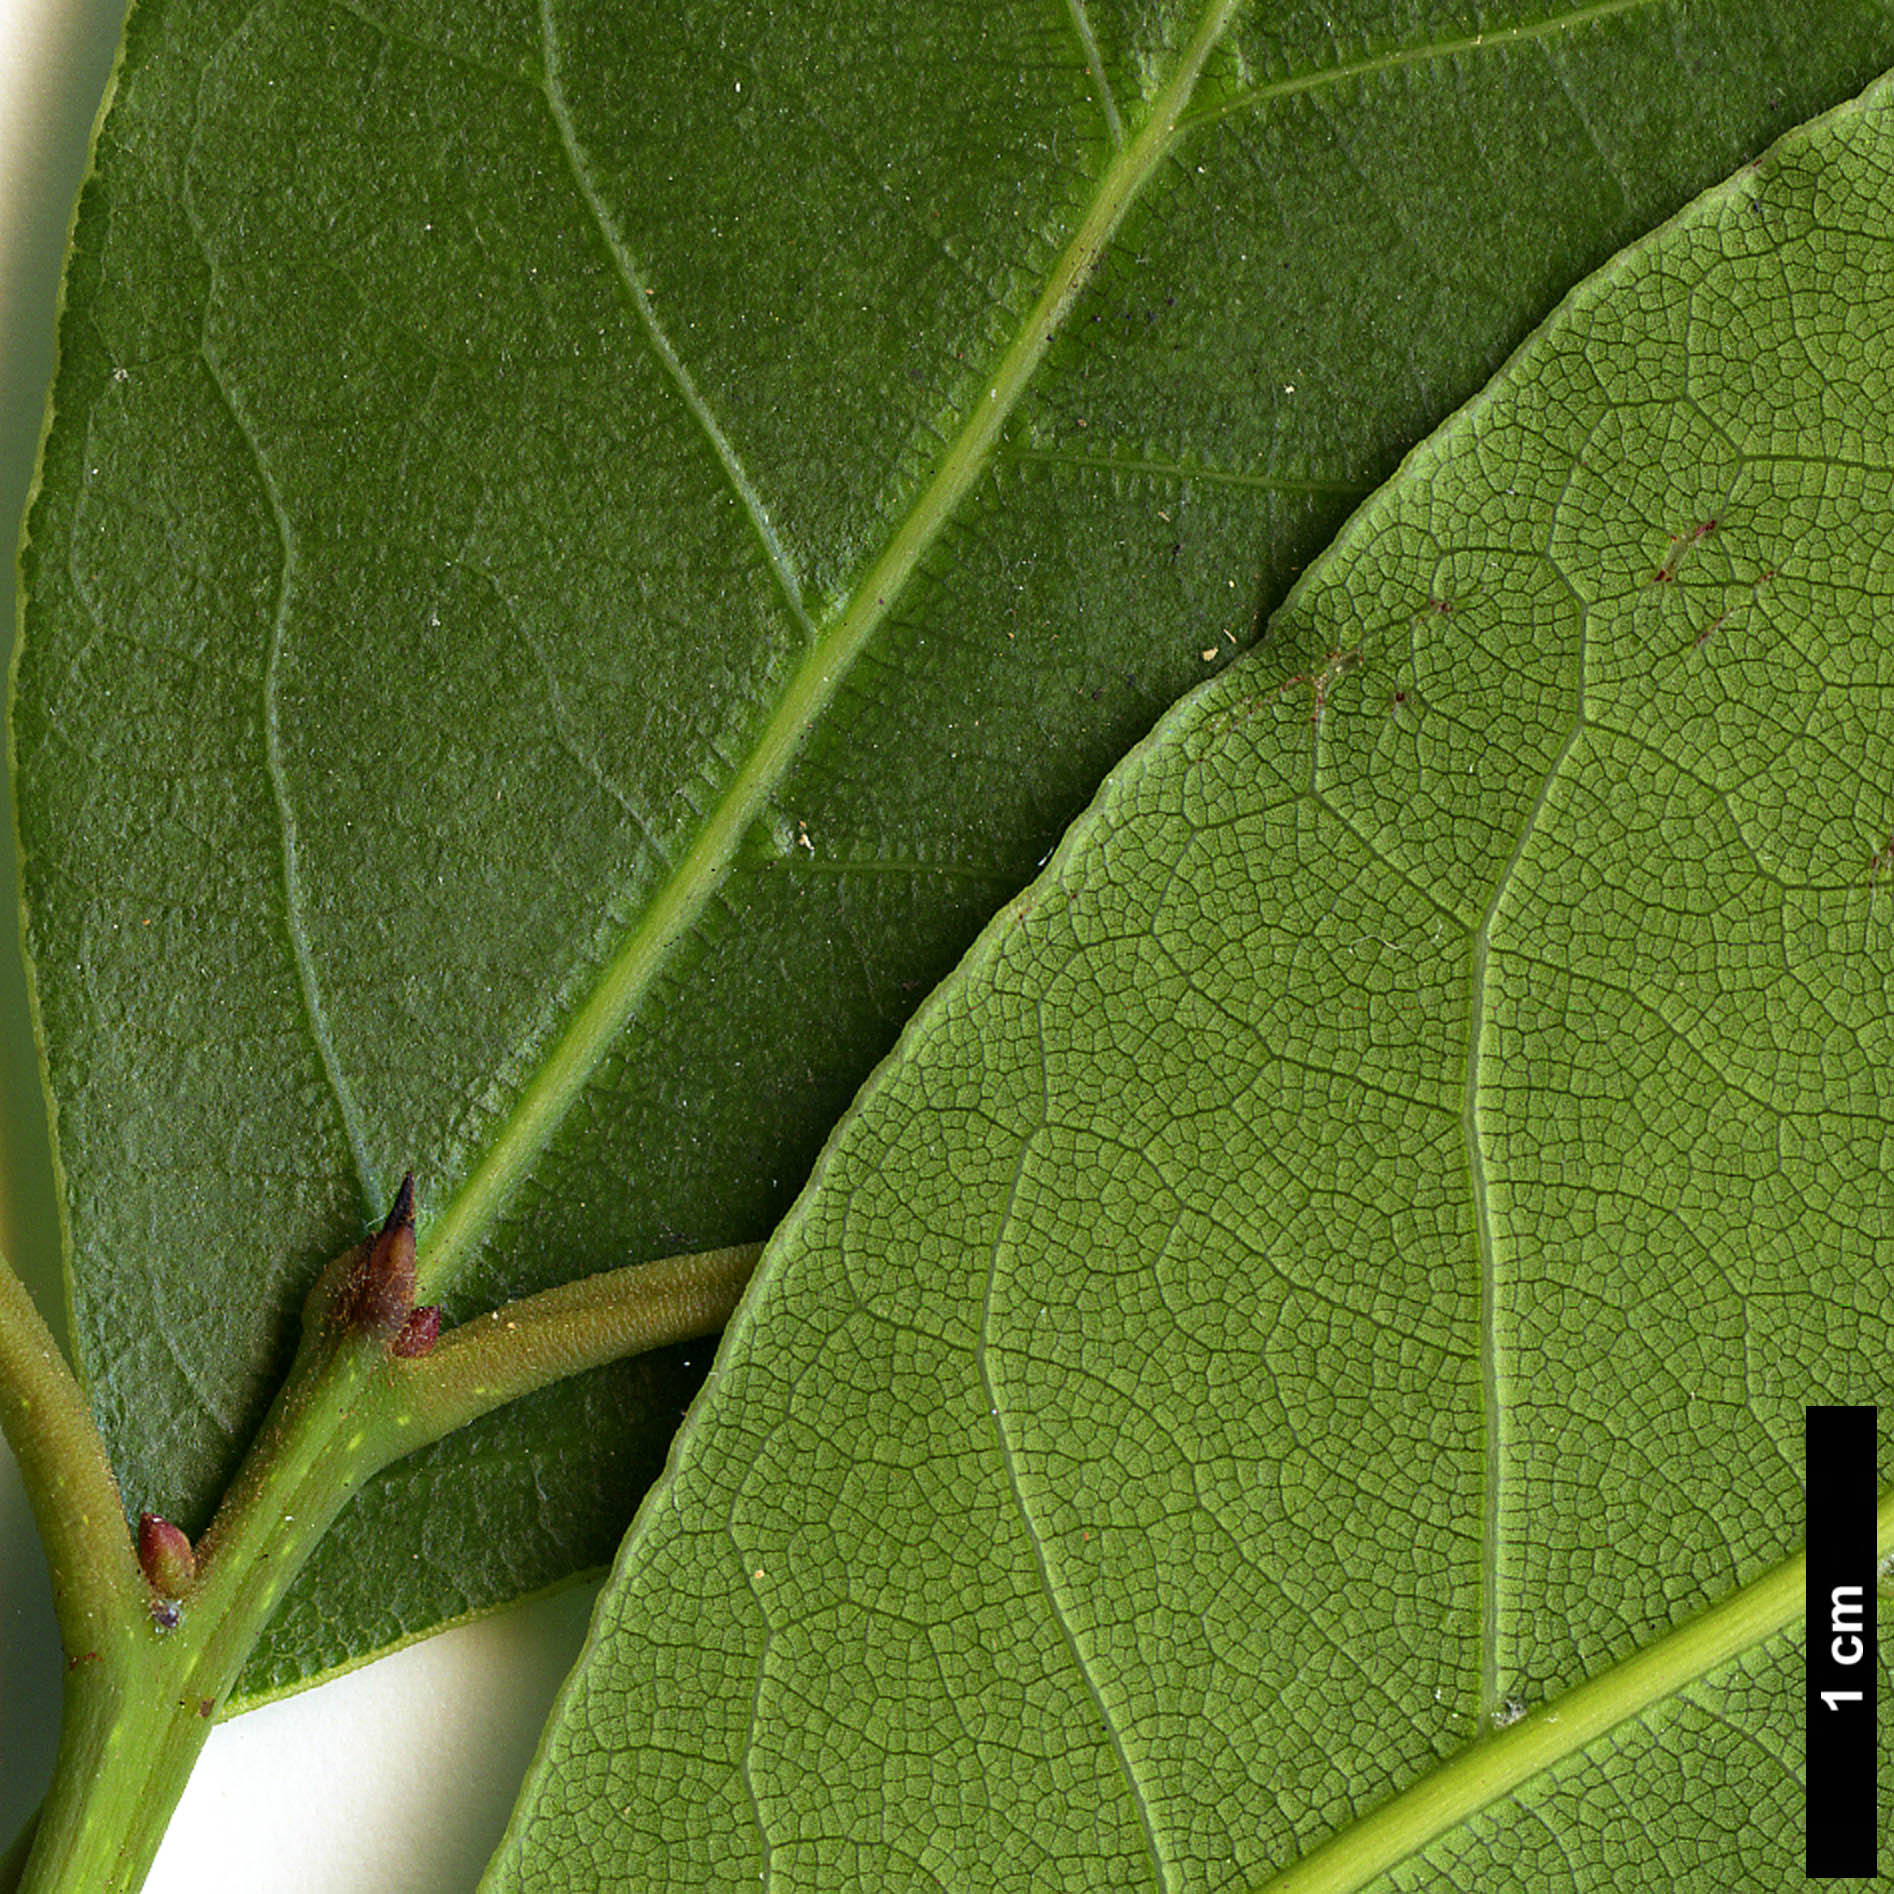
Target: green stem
99,1595
126,1748
48,1423
499,1357
135,1720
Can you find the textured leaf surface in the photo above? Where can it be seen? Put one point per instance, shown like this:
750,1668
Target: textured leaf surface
478,431
1345,1257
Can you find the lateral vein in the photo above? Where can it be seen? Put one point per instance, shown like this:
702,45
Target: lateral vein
638,294
543,1103
313,1006
1415,56
1473,1131
1095,64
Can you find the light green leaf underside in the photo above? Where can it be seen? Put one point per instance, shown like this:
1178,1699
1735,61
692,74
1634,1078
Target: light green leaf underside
1347,1253
482,436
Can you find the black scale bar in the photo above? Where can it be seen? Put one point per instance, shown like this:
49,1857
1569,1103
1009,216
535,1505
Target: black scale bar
1841,1823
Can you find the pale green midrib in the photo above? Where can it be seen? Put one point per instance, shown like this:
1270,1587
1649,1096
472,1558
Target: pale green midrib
313,1009
638,295
1491,1483
1495,1765
1412,56
1179,470
544,1101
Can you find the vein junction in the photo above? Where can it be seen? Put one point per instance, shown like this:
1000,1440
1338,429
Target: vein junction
550,1093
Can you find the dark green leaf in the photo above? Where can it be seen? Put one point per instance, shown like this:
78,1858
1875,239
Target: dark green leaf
477,430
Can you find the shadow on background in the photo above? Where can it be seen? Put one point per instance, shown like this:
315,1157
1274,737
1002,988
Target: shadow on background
55,58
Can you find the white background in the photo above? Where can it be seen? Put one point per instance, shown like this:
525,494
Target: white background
398,1778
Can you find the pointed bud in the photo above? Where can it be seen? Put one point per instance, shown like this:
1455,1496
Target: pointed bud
418,1333
166,1556
383,1296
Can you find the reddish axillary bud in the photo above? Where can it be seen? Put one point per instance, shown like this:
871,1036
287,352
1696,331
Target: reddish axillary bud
165,1554
383,1296
418,1334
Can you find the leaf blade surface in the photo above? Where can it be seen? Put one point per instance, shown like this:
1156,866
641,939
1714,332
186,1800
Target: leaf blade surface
1342,1262
467,421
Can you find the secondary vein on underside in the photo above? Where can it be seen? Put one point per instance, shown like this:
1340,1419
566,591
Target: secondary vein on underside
1178,470
311,987
638,295
589,1034
1490,1694
1414,56
1035,1538
1095,64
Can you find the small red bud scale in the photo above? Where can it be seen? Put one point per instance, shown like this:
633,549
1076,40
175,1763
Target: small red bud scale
418,1333
381,1298
169,1566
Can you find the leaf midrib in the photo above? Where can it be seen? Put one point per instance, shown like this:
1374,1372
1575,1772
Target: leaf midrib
545,1099
1496,1765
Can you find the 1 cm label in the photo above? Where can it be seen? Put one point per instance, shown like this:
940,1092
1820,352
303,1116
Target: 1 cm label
1846,1645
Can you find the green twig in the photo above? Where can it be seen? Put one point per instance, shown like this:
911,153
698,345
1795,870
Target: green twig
497,1358
48,1423
134,1723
